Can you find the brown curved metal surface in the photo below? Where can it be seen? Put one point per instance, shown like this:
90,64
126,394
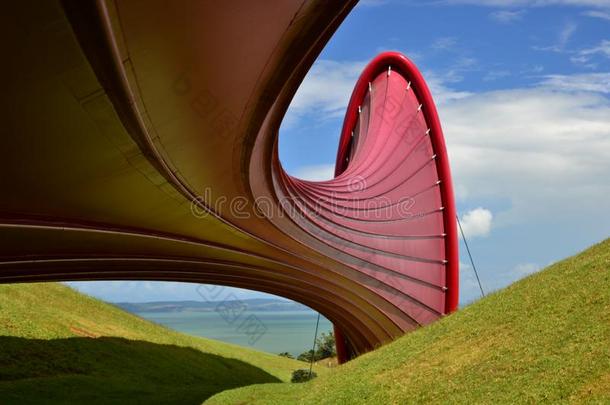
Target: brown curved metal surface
140,142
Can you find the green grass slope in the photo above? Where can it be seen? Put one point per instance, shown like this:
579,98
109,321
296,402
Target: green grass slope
59,346
543,339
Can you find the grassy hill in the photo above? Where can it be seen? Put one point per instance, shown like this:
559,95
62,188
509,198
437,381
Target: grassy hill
543,339
59,346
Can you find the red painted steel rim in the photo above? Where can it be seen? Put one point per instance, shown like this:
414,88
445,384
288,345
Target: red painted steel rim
402,65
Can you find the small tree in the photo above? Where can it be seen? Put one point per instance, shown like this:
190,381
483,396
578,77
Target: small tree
306,356
302,375
325,346
286,354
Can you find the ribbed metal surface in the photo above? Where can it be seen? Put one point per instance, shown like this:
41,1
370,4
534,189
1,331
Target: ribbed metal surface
141,143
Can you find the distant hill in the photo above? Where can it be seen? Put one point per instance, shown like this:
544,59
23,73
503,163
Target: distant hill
544,339
253,304
58,346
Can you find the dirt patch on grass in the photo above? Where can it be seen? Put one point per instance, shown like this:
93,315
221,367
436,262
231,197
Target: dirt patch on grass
596,390
83,332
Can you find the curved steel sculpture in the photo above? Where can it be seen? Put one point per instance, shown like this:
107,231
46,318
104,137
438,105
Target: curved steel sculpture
141,143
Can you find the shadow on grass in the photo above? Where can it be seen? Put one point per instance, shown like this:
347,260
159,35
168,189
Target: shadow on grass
115,370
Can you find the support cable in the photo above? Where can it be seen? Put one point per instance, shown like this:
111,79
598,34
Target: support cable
313,350
476,273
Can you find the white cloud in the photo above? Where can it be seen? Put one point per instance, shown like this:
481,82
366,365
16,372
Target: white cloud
524,269
441,93
566,33
493,75
507,16
476,222
597,14
584,56
545,151
595,82
316,172
444,43
603,48
459,66
460,191
326,90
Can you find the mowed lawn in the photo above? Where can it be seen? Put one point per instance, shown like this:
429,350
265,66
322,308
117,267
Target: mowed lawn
59,346
545,338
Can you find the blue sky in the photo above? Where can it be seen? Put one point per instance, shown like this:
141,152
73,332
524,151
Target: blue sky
523,92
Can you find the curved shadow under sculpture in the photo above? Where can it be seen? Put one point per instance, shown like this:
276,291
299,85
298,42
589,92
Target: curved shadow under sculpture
151,154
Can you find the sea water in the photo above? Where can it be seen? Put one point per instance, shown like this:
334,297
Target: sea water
269,331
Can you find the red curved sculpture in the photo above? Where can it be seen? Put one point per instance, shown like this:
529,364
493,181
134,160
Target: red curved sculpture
143,146
390,209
